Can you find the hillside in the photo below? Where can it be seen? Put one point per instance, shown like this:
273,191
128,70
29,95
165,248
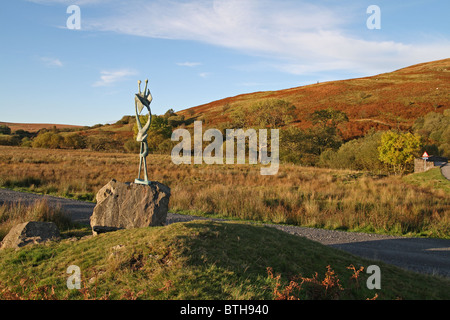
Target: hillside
34,127
383,101
390,100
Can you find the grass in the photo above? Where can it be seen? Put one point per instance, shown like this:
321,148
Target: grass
15,213
431,179
203,260
313,197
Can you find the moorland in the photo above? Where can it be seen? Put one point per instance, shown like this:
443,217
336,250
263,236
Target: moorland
332,175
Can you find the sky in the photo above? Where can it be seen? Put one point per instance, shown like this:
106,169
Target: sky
81,67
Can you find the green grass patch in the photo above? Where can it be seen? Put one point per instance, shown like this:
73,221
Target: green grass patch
202,260
432,179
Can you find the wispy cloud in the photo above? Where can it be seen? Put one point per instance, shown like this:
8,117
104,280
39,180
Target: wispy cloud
51,62
108,78
298,36
204,74
188,64
71,2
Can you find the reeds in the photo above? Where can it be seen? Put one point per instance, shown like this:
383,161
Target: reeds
15,213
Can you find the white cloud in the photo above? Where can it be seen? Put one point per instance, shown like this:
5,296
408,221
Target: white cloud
297,36
188,64
108,78
51,62
204,74
71,2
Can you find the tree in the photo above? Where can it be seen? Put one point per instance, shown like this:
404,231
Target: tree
328,117
74,141
9,140
268,113
48,139
238,119
160,125
169,113
5,129
398,149
159,132
272,113
356,154
175,121
435,127
325,133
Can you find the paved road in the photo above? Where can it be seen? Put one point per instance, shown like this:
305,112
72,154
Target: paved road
423,255
446,171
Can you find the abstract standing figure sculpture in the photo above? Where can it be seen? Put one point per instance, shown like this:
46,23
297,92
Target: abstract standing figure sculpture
142,99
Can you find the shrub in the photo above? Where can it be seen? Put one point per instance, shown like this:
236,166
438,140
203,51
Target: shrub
131,146
24,134
102,143
305,146
7,140
4,129
48,140
26,142
358,154
74,141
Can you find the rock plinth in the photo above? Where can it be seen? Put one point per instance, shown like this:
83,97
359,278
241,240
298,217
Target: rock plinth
129,205
30,232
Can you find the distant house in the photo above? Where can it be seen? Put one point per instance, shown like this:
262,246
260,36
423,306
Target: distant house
427,163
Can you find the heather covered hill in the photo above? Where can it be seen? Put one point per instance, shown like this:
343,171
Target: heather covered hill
410,99
35,127
390,100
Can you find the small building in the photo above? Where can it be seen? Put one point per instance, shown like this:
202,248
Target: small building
429,162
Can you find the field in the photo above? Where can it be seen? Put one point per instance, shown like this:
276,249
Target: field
217,260
323,198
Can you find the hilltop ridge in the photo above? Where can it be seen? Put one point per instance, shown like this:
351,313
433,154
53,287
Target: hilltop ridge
389,100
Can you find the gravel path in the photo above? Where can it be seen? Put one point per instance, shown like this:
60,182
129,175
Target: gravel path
423,255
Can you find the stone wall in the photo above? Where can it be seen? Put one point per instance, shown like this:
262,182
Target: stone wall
421,165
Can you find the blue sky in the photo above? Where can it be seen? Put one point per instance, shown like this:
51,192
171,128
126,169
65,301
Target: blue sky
195,52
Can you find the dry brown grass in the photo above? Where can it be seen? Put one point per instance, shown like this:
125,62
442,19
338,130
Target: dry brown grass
15,213
334,199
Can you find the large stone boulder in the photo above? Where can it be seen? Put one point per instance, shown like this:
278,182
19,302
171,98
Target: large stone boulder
30,232
129,205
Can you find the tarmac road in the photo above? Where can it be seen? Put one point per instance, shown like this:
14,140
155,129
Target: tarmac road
424,255
446,171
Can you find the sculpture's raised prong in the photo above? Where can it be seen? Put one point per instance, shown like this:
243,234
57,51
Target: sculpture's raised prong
146,83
